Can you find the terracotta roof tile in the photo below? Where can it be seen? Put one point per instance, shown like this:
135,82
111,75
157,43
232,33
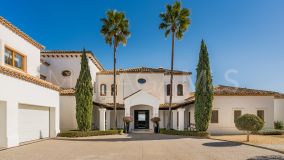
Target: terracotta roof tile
145,70
67,92
71,53
222,90
20,33
28,78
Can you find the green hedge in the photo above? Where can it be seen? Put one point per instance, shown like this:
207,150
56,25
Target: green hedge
89,133
270,132
184,133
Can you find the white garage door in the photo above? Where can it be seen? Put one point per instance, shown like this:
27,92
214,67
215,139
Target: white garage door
33,123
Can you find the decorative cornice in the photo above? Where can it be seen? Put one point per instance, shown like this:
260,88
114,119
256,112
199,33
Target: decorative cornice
71,54
28,78
20,33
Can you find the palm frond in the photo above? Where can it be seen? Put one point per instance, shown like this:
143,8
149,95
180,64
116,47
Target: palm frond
176,18
167,32
115,28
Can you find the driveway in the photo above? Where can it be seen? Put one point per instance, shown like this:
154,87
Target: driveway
136,147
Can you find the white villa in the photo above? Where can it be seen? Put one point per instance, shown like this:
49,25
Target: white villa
37,94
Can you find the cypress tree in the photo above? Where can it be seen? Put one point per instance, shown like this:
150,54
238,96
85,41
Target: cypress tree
84,96
204,90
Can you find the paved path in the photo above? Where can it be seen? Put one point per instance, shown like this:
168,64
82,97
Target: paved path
136,147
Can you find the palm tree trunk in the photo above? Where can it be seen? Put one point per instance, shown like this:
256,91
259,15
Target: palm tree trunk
171,81
114,86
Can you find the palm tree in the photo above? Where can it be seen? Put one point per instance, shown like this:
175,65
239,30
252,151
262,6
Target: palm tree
176,21
115,30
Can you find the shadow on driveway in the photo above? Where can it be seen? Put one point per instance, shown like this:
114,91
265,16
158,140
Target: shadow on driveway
221,144
272,157
129,137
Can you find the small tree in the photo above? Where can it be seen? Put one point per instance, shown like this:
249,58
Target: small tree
204,90
249,123
84,96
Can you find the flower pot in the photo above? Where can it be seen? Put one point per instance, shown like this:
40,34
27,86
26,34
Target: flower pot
157,128
126,128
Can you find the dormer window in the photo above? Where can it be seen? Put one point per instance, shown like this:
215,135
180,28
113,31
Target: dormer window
14,59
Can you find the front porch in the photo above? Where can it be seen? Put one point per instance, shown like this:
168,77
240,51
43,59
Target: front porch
141,122
142,107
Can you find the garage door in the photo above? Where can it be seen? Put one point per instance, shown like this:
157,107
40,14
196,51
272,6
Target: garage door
33,123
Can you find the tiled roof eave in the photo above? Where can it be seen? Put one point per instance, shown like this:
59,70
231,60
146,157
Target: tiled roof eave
20,33
28,78
67,92
64,54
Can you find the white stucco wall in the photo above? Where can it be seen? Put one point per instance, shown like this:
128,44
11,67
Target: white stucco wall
247,104
15,92
68,113
12,40
279,110
58,64
155,85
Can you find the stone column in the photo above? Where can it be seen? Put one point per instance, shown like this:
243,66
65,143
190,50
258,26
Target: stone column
174,119
102,119
180,112
107,119
127,111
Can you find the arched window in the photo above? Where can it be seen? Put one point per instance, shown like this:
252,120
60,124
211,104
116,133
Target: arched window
112,89
103,89
180,90
168,89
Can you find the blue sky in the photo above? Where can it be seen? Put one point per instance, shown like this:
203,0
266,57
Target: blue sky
245,38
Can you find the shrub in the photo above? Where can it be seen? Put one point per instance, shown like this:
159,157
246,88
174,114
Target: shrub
249,123
88,133
127,119
270,132
278,125
155,119
184,133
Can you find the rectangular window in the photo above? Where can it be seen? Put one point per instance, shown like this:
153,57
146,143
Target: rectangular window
177,119
237,114
8,56
14,59
260,114
168,89
214,117
189,123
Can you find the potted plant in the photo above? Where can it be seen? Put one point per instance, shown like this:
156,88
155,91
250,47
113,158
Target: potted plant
156,121
127,121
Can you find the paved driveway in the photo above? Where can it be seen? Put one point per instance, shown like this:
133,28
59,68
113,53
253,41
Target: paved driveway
136,147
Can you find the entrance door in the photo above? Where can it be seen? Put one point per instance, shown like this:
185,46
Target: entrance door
141,119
